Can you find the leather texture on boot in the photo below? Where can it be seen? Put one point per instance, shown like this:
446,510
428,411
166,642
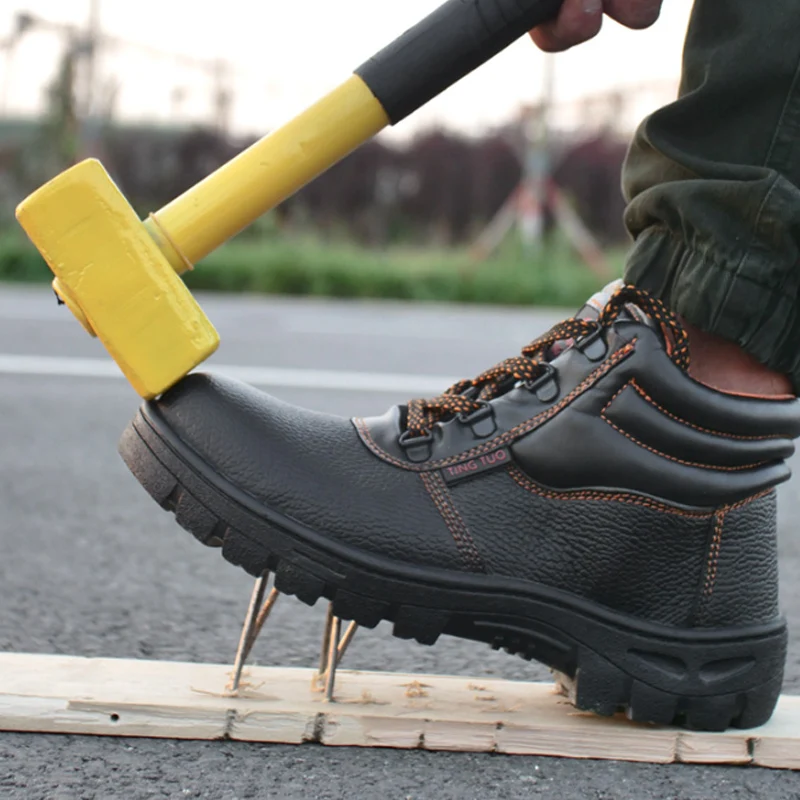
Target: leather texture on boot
608,488
310,467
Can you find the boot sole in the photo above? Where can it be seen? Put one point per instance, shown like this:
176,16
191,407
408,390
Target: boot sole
701,679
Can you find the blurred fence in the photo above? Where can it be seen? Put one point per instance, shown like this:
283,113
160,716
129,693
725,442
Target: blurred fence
441,187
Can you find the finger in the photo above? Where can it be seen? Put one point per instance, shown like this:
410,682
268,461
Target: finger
636,14
577,22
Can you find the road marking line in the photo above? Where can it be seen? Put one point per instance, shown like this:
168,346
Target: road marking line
68,367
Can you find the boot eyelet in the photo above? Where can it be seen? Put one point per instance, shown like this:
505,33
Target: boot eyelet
545,387
417,448
481,421
592,345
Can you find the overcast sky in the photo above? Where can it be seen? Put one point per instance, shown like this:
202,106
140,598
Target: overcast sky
288,53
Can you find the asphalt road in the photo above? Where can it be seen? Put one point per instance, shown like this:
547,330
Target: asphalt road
90,566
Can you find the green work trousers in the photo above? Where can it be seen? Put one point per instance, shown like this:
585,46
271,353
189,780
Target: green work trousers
711,181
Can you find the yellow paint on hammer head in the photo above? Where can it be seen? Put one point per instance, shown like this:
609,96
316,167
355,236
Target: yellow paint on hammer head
107,263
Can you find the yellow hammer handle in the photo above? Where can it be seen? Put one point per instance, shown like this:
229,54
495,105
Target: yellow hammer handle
261,177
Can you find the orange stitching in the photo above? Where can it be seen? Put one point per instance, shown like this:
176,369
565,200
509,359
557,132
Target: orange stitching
437,489
678,460
508,436
715,548
746,502
629,499
453,520
665,455
713,554
609,497
643,394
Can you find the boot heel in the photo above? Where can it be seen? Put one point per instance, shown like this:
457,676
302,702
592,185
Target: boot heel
702,686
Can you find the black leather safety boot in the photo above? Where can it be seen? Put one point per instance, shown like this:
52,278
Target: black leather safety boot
586,504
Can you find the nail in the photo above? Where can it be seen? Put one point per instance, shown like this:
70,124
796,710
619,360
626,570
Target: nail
592,6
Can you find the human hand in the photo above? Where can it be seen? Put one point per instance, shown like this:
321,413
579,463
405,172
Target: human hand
581,20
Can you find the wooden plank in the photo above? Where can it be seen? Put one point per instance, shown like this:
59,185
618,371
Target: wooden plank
157,699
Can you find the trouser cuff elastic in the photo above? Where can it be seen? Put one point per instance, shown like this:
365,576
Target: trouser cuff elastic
717,298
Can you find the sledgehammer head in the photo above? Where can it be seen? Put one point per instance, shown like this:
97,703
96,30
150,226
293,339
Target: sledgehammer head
114,278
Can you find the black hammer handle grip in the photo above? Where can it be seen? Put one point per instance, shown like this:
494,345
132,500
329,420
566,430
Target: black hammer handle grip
458,37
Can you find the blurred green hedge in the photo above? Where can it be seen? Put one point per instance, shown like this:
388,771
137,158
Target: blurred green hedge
291,267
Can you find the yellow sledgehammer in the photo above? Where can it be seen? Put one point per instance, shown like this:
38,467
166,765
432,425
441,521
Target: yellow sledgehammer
120,276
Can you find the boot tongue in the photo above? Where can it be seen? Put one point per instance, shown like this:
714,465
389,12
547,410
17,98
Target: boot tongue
593,307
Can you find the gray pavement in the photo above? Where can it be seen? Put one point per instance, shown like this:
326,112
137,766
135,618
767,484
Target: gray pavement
92,567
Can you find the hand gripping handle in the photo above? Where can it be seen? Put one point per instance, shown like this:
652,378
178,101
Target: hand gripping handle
457,38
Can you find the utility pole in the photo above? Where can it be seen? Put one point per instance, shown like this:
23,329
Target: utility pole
88,42
537,163
92,45
222,97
